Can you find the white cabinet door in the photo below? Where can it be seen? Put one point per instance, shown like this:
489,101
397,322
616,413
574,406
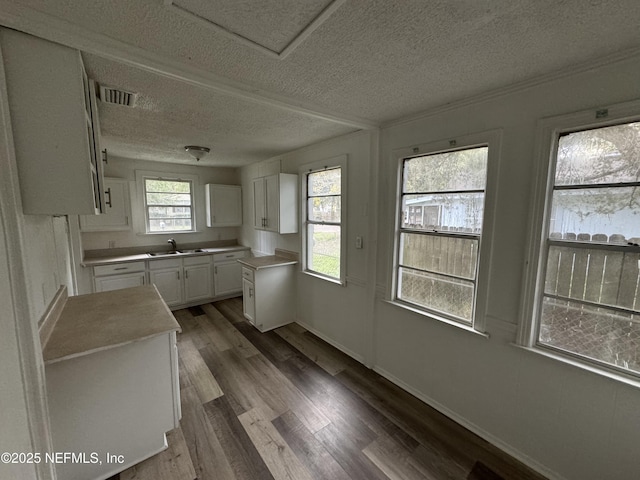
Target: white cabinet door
116,282
249,300
117,207
53,120
259,203
272,202
169,284
197,282
224,205
228,278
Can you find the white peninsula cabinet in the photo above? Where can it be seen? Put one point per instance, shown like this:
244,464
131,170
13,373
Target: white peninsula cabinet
182,280
275,203
54,120
268,291
224,205
111,365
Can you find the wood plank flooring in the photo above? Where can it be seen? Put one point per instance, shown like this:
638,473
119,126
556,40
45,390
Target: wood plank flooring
286,405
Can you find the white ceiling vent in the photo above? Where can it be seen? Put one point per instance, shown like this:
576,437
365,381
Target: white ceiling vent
117,96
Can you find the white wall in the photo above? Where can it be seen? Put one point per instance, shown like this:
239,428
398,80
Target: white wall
341,320
564,420
119,167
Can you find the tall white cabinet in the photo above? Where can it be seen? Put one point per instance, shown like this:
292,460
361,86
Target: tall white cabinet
54,120
275,203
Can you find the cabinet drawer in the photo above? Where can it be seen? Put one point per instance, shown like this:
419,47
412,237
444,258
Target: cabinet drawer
165,263
228,256
248,274
118,268
197,260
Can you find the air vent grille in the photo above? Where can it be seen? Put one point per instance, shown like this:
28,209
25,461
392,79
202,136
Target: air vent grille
117,97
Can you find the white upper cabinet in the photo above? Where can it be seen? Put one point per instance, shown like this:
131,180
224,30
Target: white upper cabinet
53,115
117,214
275,202
224,205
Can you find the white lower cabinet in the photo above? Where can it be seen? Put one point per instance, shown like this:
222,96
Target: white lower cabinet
119,275
182,281
268,296
227,272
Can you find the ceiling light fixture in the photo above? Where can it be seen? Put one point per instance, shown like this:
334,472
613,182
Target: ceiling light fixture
197,152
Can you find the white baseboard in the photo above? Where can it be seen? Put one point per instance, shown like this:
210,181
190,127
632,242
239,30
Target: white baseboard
505,447
342,348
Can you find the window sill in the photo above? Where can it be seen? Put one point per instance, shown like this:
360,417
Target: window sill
327,279
461,326
627,379
183,232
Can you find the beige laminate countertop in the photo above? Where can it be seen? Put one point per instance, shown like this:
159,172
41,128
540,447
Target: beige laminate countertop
266,262
98,321
95,261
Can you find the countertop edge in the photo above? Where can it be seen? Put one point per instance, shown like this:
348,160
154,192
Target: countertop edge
137,257
274,262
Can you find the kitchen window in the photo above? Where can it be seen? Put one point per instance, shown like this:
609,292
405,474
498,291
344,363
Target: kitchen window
324,215
168,205
586,295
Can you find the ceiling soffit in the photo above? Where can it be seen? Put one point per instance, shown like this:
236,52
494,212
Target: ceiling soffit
251,22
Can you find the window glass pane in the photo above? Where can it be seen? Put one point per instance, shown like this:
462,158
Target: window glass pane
167,186
169,224
168,199
598,211
324,249
449,171
435,292
597,276
324,209
593,332
458,212
602,155
452,256
326,182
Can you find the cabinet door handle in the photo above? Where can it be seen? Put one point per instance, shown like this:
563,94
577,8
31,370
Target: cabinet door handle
250,292
105,156
186,274
178,272
108,202
121,268
215,270
229,256
143,281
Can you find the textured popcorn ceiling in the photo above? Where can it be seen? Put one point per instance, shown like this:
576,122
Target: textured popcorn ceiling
377,60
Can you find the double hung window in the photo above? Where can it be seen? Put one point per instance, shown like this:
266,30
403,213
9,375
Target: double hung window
587,300
168,205
441,216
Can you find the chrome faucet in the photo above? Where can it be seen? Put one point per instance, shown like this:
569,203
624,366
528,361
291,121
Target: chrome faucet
173,244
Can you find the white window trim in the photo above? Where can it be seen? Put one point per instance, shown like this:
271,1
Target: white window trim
548,131
140,221
333,162
491,139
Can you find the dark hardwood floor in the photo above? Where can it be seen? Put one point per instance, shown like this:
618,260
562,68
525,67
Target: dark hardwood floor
286,405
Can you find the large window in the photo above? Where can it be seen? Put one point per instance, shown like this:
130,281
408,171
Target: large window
440,225
324,222
168,205
587,303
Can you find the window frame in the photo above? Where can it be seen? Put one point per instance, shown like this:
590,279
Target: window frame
549,131
143,221
492,140
339,161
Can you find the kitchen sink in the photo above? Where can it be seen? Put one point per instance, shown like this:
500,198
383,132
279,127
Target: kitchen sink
196,250
159,254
